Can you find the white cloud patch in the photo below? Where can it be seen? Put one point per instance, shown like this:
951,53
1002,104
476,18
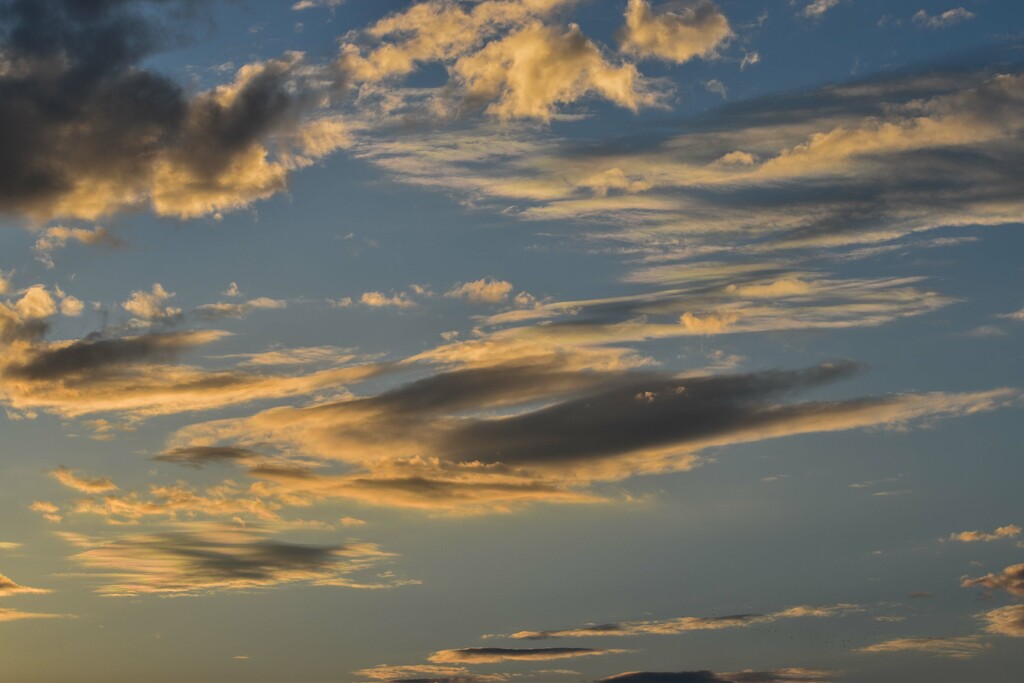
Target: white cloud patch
944,19
675,33
483,291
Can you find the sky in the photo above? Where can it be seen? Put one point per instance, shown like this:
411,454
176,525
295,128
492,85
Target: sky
474,341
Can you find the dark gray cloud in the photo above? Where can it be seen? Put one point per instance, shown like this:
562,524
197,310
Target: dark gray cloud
86,131
197,456
95,355
649,412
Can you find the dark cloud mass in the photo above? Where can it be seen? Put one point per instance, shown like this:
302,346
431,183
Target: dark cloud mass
85,131
96,355
649,413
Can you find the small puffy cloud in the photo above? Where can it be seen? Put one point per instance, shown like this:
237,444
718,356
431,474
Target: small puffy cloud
311,4
961,647
817,8
531,72
71,306
438,31
83,484
58,236
483,291
613,179
1010,580
750,59
1008,531
35,303
49,511
711,323
232,290
674,34
716,87
1006,621
149,306
947,18
382,300
491,655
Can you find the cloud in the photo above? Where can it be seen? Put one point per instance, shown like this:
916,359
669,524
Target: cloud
57,237
134,375
9,588
203,558
505,56
97,356
1010,580
83,484
490,655
49,511
817,8
438,31
427,673
89,131
303,355
1008,531
239,310
947,18
961,647
149,306
310,4
529,73
717,87
381,300
868,162
1006,621
197,456
748,676
674,34
483,291
686,624
492,437
35,303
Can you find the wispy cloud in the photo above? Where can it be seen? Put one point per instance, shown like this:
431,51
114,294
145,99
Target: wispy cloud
960,647
201,558
686,624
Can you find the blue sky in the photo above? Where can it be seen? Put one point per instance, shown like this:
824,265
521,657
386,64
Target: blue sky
553,340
